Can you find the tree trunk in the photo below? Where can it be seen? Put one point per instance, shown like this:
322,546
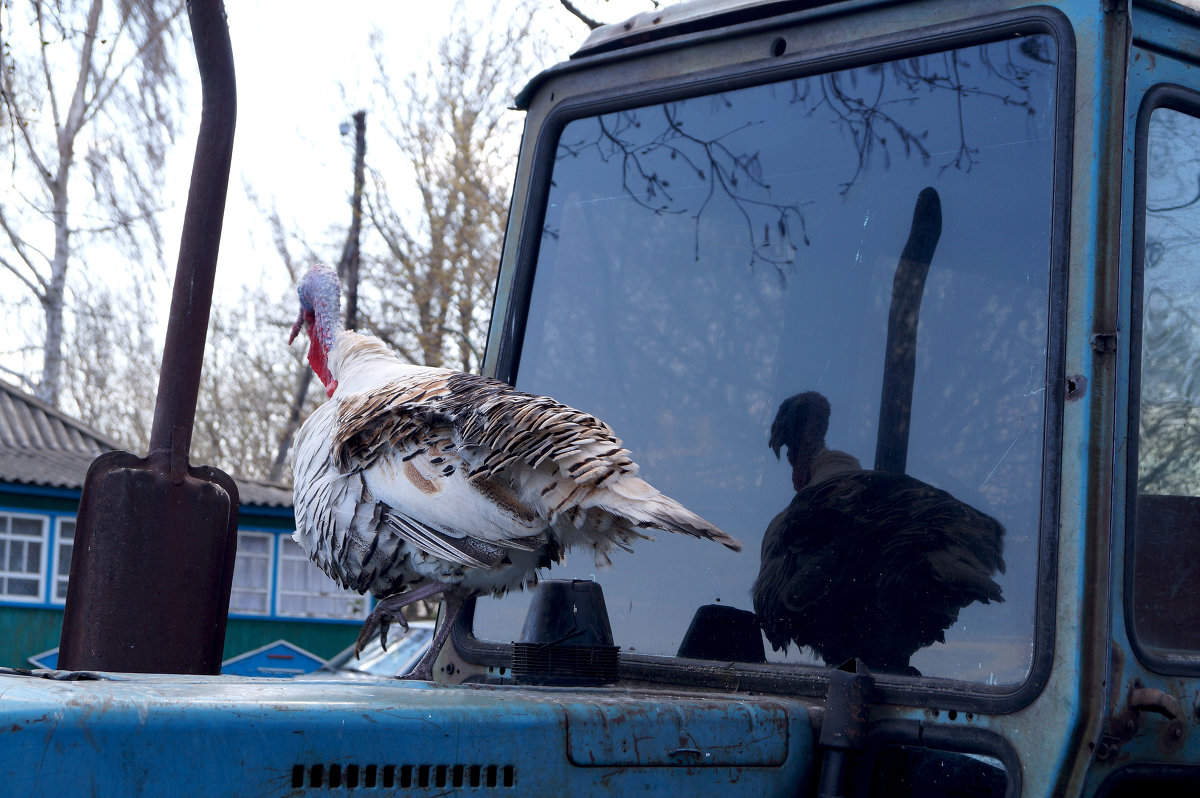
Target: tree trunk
52,355
348,265
53,298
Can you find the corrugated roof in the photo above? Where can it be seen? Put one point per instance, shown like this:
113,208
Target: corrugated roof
41,445
263,494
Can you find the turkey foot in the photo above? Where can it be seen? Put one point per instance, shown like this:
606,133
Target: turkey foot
388,610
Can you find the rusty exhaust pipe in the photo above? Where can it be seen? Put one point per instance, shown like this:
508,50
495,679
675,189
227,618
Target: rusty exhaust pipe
155,537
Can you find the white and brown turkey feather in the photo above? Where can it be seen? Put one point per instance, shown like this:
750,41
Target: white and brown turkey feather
433,475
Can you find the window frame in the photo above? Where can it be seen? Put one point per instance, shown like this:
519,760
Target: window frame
56,558
39,595
1138,774
790,679
271,577
885,734
1183,100
53,541
279,588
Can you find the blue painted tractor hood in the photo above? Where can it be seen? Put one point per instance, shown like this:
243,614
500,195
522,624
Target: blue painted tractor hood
118,734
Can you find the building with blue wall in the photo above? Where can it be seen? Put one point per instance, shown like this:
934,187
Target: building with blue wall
278,594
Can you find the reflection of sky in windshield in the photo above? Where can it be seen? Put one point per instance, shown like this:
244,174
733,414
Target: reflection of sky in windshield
706,259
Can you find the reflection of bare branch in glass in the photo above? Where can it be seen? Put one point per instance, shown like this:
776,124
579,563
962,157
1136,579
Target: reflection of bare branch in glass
1169,436
1190,200
649,162
666,167
864,563
856,98
1169,432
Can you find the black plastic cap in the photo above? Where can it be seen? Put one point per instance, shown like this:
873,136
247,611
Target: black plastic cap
566,639
723,633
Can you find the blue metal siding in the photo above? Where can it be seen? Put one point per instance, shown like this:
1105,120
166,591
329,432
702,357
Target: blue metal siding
46,599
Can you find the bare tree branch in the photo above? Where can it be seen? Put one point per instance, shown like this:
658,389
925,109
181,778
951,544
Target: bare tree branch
75,111
45,62
19,246
299,395
26,383
432,277
54,90
104,87
578,14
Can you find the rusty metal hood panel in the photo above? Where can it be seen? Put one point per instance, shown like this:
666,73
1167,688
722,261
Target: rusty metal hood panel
692,732
221,735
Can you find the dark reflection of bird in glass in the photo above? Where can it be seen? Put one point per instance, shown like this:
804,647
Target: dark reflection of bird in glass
863,563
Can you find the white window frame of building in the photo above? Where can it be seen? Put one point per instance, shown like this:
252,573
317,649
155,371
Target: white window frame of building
9,543
64,544
243,572
317,596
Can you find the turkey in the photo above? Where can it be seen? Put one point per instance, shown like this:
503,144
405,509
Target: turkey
414,481
863,563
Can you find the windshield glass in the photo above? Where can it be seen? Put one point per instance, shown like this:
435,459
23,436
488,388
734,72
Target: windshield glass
715,279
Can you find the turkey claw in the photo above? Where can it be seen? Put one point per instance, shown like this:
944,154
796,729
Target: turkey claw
380,619
386,622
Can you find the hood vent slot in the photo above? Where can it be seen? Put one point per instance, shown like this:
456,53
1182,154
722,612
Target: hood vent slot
408,777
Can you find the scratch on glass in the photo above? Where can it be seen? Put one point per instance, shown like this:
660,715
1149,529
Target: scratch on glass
858,258
1037,390
1001,460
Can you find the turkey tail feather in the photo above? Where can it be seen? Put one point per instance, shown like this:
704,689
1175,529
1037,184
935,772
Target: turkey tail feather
663,512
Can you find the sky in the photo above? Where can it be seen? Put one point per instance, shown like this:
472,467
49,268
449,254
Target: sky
302,69
301,72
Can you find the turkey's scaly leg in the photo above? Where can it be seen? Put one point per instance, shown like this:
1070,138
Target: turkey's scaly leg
452,606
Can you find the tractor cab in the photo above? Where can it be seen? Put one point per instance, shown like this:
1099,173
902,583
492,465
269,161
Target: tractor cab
902,295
